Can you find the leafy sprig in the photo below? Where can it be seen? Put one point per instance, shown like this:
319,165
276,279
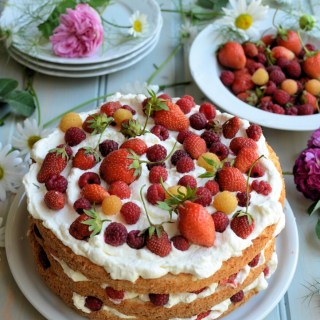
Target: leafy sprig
95,223
91,151
99,123
311,210
215,167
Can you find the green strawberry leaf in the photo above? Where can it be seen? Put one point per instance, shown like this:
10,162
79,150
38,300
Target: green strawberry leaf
21,103
164,205
207,175
96,4
318,229
7,86
314,207
95,224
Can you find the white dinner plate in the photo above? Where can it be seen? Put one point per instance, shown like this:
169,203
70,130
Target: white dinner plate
206,70
85,73
116,44
49,305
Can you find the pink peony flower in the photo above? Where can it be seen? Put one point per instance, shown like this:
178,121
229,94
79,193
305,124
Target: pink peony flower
79,34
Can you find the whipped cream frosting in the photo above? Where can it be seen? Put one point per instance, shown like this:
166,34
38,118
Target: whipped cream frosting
123,262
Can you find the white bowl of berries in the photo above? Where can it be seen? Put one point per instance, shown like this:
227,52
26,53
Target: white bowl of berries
274,83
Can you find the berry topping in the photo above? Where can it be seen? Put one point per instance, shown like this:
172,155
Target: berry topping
95,193
54,200
156,153
85,158
242,199
130,212
257,170
137,145
88,178
225,201
115,234
261,187
121,115
57,183
180,243
231,127
135,240
210,137
220,149
266,271
231,179
164,96
202,315
185,104
195,146
254,262
281,97
240,142
277,76
227,77
221,221
69,120
237,297
212,186
126,107
107,146
198,121
204,196
183,134
242,224
305,109
185,165
159,244
188,180
110,107
78,229
157,173
74,136
209,110
111,205
82,204
159,299
120,189
93,303
155,193
254,132
114,294
161,132
245,159
177,155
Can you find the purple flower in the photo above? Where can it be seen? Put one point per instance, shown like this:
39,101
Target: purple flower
314,141
79,34
306,172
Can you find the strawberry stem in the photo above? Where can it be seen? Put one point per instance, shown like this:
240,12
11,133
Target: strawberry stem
144,205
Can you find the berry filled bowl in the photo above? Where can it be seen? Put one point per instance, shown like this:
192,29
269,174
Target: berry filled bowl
269,82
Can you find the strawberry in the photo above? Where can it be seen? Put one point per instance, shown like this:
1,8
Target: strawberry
85,158
55,200
196,224
109,108
242,224
245,159
311,64
267,40
250,49
238,143
159,244
242,83
135,144
95,193
195,146
173,119
78,229
282,52
54,163
86,126
231,127
117,165
308,98
231,55
231,179
290,40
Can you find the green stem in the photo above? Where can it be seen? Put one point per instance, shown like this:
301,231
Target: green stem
115,25
76,108
177,11
144,205
171,55
172,85
4,118
287,173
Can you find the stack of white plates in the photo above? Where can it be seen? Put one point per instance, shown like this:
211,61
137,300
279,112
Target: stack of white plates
119,50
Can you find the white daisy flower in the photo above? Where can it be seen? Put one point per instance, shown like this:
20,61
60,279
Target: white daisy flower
188,31
139,24
138,87
27,134
1,233
12,169
245,17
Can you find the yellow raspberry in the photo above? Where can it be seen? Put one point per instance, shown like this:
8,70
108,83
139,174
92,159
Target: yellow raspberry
225,201
174,190
313,86
206,158
121,115
69,120
290,86
111,205
260,77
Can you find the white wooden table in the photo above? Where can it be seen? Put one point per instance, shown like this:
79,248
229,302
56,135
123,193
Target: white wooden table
57,95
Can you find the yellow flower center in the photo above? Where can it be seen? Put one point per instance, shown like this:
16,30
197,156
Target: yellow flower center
137,26
244,21
32,140
1,173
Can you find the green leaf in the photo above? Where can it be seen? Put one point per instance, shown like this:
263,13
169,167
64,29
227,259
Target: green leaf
164,206
96,4
7,86
47,27
21,103
318,229
314,207
207,175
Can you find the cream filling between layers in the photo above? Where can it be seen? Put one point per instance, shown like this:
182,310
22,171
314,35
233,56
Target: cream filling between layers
130,264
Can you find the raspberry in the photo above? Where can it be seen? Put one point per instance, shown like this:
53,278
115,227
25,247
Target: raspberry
114,294
110,107
208,109
188,97
159,245
177,155
151,165
204,196
257,170
182,135
261,58
220,149
282,62
82,204
135,240
115,234
130,212
155,193
161,132
93,303
221,221
159,299
266,271
231,127
185,165
164,96
156,153
225,201
88,178
254,132
305,109
237,297
57,182
185,104
281,97
272,68
254,262
126,107
55,200
261,187
107,146
210,137
156,173
242,199
198,121
69,120
291,111
120,189
293,69
43,258
180,243
227,77
212,186
275,108
270,88
277,76
74,136
188,180
111,205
